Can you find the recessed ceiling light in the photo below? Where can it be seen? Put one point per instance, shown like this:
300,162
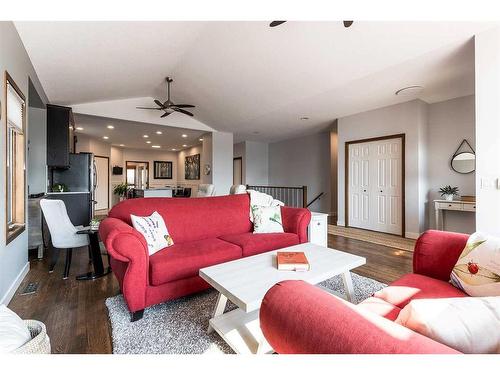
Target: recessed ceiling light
174,149
105,137
184,145
155,146
304,118
145,136
159,132
121,145
110,127
201,139
148,142
409,90
79,128
184,136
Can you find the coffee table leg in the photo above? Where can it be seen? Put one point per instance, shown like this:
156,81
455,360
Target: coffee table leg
349,288
218,310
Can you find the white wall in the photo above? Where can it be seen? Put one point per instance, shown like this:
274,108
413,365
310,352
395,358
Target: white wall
255,162
487,52
450,122
303,161
396,119
222,162
37,151
14,256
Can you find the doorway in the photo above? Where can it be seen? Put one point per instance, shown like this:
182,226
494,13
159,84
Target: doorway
137,174
101,194
238,171
375,186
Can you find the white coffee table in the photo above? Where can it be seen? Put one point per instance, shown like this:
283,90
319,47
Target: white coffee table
245,282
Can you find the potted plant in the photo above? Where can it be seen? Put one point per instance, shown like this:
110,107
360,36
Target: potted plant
121,190
448,192
59,188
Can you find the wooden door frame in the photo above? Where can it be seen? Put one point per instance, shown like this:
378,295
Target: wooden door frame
241,168
109,177
402,136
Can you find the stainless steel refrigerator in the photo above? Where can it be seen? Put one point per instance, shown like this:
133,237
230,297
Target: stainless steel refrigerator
80,179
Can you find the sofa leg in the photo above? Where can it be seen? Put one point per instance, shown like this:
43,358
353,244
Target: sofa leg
137,315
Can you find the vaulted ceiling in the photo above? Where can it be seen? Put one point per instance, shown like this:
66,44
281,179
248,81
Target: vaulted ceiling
247,78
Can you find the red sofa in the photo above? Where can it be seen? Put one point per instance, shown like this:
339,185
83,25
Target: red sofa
297,317
206,231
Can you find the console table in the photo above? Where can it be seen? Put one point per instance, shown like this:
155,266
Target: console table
441,205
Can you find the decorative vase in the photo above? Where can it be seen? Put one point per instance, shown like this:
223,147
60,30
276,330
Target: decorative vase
449,197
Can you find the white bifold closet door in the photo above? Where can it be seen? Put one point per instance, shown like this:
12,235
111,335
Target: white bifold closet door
375,190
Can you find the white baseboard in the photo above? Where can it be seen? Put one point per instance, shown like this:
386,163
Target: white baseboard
15,284
412,235
340,223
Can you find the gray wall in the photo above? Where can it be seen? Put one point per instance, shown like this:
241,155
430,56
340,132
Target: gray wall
14,256
400,118
303,161
449,123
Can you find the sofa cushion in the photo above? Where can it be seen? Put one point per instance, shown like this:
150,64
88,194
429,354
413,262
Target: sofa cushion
414,286
380,307
184,260
192,219
256,243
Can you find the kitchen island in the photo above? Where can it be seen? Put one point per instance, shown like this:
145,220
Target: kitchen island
163,192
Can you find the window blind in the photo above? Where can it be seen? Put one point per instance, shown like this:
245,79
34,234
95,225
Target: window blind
15,106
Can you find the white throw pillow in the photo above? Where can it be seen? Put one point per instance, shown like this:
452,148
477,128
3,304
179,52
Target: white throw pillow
13,331
467,324
267,219
477,271
154,230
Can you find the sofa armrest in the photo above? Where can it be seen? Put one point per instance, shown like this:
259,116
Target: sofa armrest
125,244
436,253
298,318
296,220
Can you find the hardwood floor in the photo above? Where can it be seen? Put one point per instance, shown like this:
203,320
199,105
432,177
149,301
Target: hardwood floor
77,319
384,264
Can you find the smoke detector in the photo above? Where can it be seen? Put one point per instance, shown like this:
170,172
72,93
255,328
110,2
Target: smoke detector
410,90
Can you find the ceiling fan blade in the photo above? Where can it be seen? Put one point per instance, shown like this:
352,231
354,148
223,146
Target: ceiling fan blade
165,114
182,111
184,106
160,104
276,23
347,23
148,108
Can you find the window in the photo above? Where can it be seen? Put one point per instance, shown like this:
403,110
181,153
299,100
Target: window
15,104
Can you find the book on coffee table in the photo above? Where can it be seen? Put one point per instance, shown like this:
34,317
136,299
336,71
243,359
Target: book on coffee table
292,261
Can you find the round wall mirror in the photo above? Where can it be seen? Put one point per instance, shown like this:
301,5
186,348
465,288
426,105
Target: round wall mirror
464,162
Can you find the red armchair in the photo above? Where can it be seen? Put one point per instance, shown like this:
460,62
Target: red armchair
297,317
206,231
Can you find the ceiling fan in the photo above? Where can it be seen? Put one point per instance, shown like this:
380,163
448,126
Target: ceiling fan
168,106
277,23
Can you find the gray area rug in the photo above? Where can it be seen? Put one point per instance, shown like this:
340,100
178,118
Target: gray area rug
180,326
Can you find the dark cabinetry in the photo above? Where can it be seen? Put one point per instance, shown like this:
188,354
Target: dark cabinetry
59,135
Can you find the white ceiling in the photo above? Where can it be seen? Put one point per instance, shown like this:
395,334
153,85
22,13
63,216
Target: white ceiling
247,78
130,133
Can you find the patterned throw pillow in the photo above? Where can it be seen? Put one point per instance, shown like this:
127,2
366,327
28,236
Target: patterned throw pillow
154,230
477,271
267,219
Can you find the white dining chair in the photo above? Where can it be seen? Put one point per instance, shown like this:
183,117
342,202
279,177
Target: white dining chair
238,189
206,190
62,232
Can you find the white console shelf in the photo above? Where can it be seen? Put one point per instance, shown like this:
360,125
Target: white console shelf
441,205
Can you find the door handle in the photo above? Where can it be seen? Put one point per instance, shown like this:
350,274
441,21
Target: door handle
364,191
381,191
